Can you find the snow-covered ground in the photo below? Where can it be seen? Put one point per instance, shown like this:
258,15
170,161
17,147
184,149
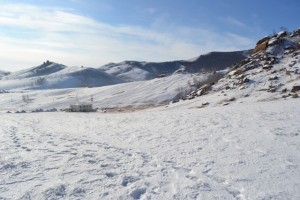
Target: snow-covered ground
136,94
240,151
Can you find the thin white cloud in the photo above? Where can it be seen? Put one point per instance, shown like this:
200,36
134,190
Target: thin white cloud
73,39
239,39
233,21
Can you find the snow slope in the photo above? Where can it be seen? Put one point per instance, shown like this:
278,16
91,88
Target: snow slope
53,76
73,77
266,75
236,152
136,71
45,69
135,94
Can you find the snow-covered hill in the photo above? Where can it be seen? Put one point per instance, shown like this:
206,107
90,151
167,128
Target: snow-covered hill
128,95
72,77
270,73
136,71
53,76
46,68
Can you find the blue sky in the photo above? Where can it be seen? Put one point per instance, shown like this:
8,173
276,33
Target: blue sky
96,32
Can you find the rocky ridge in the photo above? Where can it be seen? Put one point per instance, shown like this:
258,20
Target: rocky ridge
271,72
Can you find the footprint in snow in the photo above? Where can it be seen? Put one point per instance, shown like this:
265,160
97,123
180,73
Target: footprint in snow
137,193
110,174
78,192
128,179
92,161
55,193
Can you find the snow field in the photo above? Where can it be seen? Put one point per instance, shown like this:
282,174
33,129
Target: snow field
245,151
136,94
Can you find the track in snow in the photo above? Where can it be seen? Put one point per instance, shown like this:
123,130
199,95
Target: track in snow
242,152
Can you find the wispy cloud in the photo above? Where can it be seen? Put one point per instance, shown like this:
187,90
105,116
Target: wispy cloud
42,33
233,21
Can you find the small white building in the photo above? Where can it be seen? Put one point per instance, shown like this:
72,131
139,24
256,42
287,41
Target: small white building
81,107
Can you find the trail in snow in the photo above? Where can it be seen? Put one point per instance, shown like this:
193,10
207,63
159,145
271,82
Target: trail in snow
235,152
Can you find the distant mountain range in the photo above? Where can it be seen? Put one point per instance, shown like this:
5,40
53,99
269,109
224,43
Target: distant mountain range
50,75
135,71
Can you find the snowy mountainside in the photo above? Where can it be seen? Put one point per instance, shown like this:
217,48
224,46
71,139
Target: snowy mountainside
54,76
268,74
72,77
140,94
136,71
215,61
46,68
